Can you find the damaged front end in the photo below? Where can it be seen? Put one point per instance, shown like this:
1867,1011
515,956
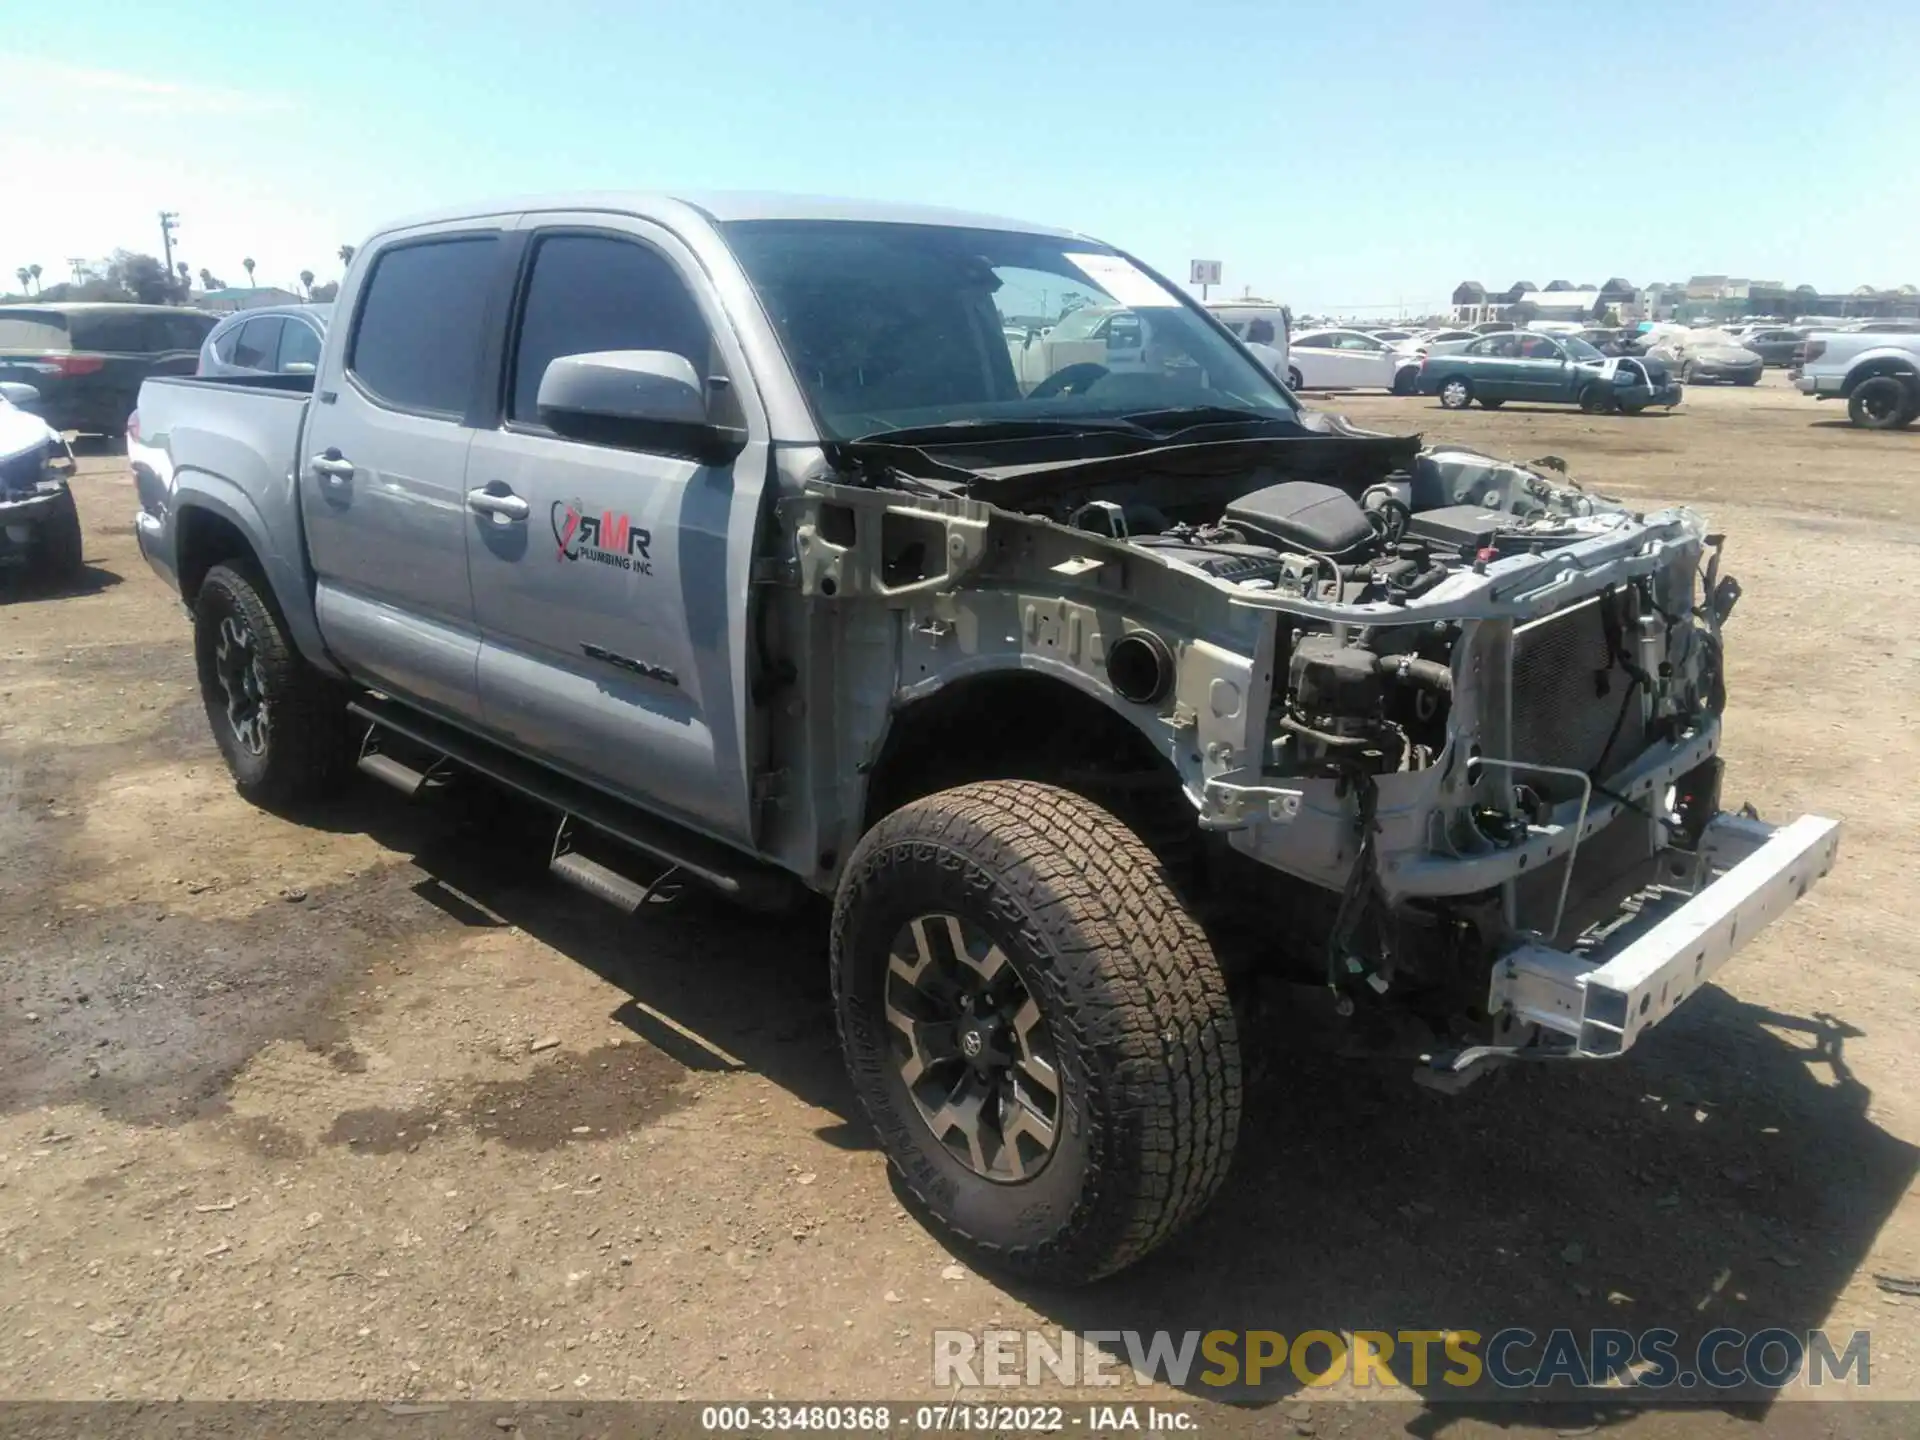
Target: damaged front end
1448,727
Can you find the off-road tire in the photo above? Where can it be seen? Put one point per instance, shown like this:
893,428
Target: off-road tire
1455,392
306,749
59,553
1881,402
1145,1042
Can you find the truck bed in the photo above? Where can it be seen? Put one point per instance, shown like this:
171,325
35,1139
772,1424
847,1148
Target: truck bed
230,449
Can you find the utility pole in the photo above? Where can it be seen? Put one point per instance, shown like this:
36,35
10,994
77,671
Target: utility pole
79,265
169,222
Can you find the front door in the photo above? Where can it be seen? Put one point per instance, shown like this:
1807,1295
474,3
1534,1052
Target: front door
611,584
383,466
1541,370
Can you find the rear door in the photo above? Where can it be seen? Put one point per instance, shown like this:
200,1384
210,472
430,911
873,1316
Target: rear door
613,607
382,467
1493,362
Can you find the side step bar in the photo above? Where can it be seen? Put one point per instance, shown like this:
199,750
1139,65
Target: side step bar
716,866
397,773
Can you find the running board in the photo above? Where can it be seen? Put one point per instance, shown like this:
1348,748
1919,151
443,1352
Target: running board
716,866
610,885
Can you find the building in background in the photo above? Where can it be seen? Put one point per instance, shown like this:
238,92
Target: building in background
244,297
1702,300
1522,301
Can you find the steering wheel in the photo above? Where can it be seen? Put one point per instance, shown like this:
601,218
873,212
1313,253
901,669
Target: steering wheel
1074,379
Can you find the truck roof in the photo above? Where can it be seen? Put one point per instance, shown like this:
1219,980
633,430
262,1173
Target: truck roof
722,206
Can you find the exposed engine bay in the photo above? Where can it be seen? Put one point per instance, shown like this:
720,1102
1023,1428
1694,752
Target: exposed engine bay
1430,711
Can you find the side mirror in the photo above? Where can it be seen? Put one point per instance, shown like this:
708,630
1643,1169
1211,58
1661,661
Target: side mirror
636,400
19,394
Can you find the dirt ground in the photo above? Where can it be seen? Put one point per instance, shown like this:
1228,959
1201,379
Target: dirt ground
369,1108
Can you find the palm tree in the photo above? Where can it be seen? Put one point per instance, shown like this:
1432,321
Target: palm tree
247,265
25,275
206,279
306,283
34,270
346,254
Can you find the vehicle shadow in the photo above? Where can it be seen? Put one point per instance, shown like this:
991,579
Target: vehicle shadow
713,986
25,584
1727,1173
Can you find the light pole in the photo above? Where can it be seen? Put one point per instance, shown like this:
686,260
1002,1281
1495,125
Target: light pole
169,222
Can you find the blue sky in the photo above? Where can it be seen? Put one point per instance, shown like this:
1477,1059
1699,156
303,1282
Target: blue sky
1368,154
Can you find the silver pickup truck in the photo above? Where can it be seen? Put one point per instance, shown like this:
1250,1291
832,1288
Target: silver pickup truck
1876,372
1114,710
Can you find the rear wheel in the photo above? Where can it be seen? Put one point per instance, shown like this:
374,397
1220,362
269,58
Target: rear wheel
1294,379
1037,1028
1881,402
1596,398
280,724
1689,374
1455,393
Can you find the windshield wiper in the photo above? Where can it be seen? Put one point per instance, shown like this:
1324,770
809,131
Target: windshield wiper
1008,429
1187,417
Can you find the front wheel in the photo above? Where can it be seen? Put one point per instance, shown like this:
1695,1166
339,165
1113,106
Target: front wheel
1294,379
1406,380
1455,394
1036,1027
281,726
1880,403
60,550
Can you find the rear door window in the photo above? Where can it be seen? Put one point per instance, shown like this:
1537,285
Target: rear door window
259,343
416,343
115,332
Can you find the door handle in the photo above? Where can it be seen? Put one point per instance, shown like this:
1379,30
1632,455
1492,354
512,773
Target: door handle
330,467
502,507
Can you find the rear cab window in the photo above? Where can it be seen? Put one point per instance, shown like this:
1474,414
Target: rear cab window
422,318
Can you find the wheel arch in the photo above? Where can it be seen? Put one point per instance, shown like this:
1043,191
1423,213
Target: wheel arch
215,523
1900,366
1023,724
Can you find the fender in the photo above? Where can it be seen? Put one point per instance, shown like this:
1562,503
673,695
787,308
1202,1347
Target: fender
286,574
1881,360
